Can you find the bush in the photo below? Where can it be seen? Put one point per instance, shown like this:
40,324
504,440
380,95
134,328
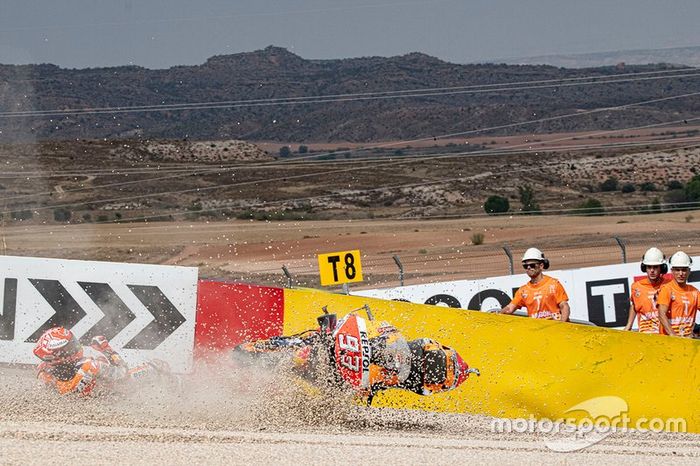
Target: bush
675,196
609,185
692,189
303,149
591,207
527,199
22,214
648,186
477,239
628,188
496,204
653,208
674,184
285,151
61,214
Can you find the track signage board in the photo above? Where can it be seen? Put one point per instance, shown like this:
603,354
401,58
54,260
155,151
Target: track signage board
599,295
146,311
336,268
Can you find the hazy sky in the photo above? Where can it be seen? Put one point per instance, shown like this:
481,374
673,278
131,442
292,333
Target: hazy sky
163,33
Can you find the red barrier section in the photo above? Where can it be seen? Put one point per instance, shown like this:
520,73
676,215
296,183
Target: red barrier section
230,313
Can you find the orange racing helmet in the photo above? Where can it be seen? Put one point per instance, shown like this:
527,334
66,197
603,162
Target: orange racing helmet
444,369
58,345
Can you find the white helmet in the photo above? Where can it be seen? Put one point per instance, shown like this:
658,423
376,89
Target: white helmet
680,259
536,255
533,254
653,256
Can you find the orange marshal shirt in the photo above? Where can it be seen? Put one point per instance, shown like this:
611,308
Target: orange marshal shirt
542,299
683,303
643,298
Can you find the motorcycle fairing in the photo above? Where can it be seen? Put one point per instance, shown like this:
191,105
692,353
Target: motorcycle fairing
352,351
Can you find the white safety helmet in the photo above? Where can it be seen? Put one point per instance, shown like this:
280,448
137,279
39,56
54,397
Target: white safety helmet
653,256
680,259
537,255
533,254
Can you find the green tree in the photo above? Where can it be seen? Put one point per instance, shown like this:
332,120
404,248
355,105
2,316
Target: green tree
527,199
674,184
285,151
648,186
496,204
692,189
61,214
675,198
303,149
591,206
22,214
628,188
609,185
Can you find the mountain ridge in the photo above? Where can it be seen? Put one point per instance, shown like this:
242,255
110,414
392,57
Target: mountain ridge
256,77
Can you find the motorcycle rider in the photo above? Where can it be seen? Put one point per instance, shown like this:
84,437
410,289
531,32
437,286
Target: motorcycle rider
66,369
422,366
429,368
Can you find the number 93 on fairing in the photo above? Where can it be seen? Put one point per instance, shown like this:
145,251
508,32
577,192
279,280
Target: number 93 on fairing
340,267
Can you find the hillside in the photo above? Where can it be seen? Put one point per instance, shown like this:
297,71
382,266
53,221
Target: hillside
686,56
277,73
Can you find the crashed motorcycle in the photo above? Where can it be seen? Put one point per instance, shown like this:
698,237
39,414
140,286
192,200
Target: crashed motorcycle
360,356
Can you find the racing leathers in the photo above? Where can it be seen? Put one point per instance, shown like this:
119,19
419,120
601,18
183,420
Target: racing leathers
83,375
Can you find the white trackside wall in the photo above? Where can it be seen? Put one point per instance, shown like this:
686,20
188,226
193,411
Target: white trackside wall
146,311
596,294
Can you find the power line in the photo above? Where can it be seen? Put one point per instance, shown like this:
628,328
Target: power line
385,188
382,164
516,124
498,127
575,148
386,164
387,95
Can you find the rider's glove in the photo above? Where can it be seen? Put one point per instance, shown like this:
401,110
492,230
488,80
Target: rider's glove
101,344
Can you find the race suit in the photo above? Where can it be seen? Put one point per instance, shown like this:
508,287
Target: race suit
81,377
424,370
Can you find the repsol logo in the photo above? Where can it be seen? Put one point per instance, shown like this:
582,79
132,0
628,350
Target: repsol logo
366,350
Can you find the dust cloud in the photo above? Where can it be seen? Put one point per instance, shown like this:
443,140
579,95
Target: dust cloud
223,413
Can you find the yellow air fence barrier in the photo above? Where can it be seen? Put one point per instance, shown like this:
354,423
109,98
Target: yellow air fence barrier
533,367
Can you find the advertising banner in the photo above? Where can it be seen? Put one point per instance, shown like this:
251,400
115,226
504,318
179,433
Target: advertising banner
599,295
145,311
